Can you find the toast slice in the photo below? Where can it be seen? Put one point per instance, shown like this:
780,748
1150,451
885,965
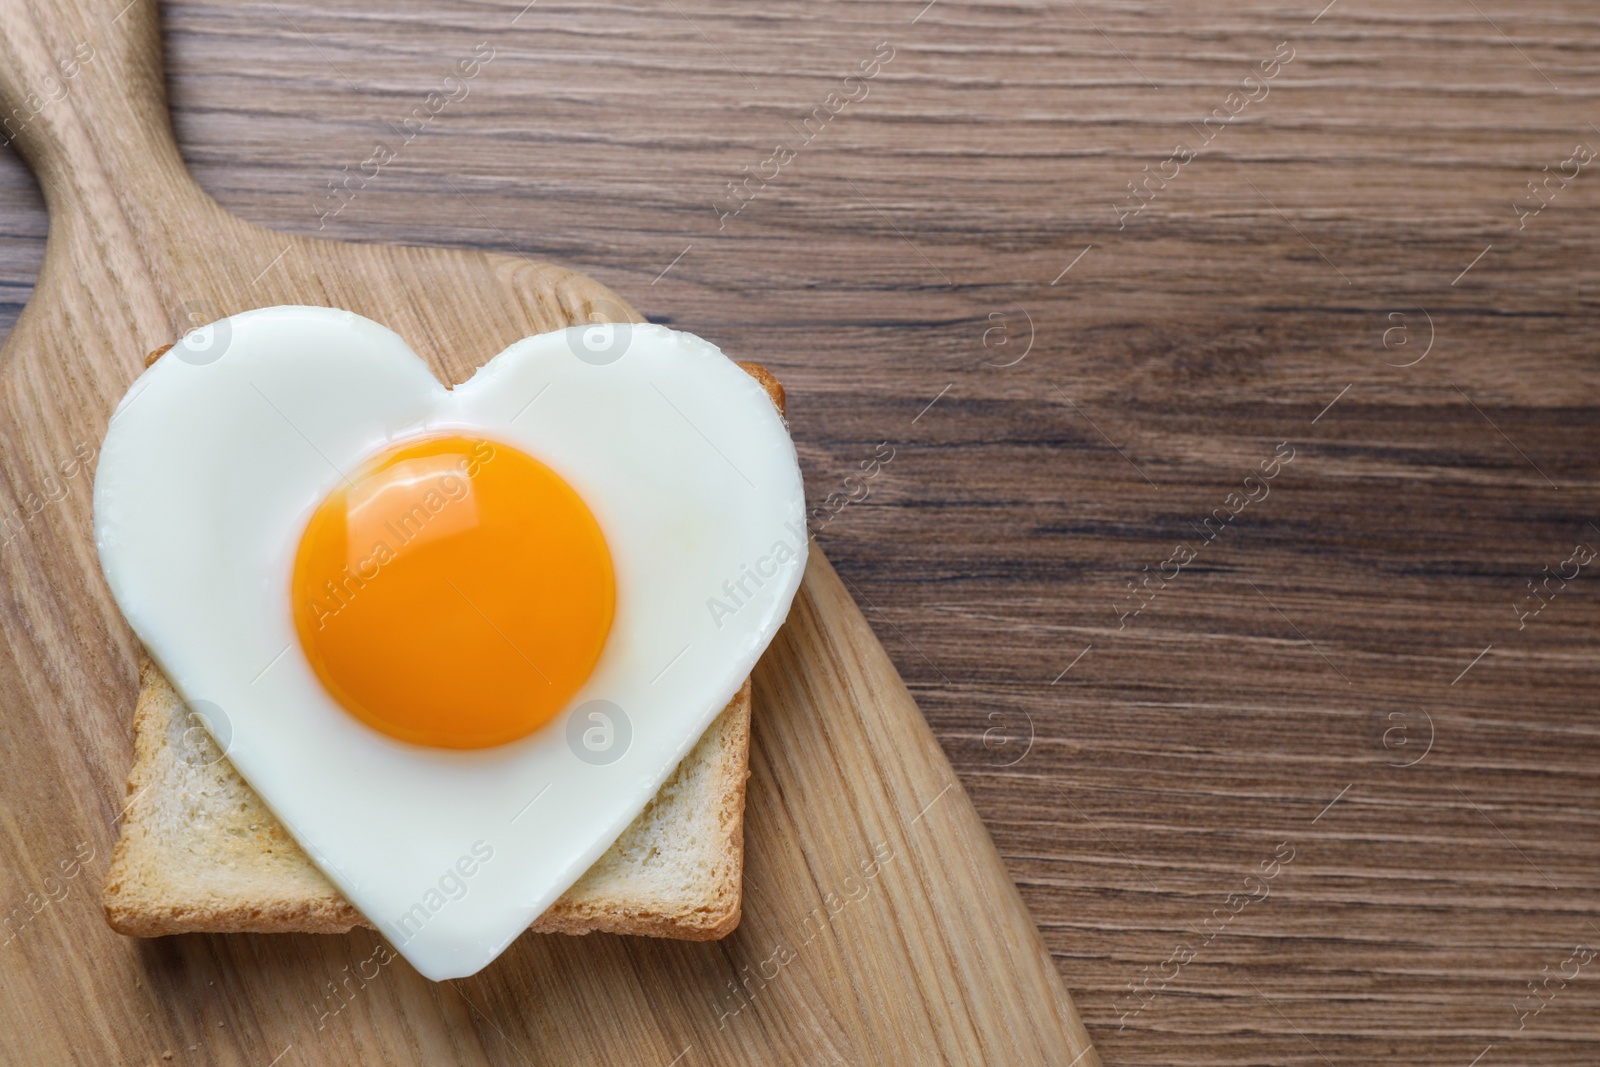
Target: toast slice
199,852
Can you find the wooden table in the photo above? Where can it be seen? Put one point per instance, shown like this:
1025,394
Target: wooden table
1323,787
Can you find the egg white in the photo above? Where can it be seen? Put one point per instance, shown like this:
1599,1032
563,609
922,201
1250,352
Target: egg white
219,453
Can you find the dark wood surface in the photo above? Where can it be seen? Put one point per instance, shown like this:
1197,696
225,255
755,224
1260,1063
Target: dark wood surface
1308,652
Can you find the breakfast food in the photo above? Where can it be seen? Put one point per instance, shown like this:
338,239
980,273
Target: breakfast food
327,552
200,853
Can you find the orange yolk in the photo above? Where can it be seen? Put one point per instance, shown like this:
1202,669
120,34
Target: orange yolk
453,592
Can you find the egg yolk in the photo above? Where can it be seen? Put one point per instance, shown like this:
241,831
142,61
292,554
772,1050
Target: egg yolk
453,592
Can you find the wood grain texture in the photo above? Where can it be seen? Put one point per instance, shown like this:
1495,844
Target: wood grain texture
1285,665
880,923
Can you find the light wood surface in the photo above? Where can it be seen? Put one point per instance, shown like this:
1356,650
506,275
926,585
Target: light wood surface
1173,758
879,923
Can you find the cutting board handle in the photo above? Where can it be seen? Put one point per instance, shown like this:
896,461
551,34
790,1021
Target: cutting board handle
82,99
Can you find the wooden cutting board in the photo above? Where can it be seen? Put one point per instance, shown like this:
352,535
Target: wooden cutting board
928,957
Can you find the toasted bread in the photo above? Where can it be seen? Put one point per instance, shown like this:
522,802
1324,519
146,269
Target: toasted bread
200,852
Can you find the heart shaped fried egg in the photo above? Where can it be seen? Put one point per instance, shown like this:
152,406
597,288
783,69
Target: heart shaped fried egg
460,636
